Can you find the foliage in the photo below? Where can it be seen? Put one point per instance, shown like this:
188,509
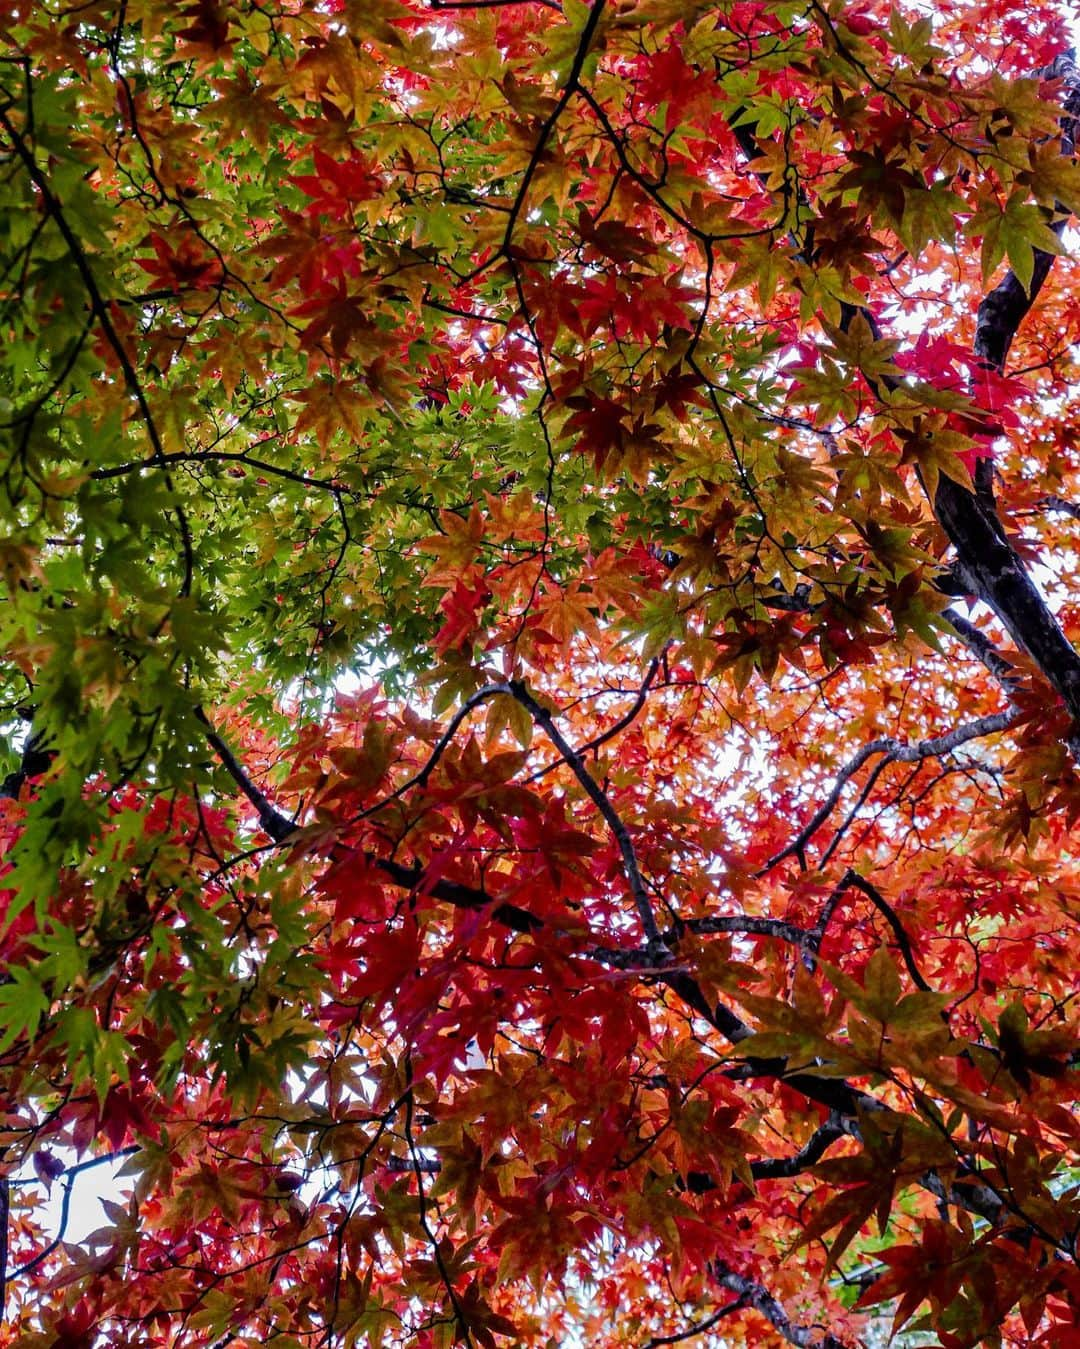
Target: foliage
539,586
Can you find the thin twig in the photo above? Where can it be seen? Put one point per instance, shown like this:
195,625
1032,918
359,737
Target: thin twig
100,309
65,1205
700,1329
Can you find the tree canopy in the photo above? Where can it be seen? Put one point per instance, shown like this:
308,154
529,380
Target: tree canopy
539,573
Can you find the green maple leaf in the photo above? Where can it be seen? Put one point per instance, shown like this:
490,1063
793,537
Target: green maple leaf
23,1005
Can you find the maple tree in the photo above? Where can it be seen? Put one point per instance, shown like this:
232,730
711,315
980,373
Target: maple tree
539,598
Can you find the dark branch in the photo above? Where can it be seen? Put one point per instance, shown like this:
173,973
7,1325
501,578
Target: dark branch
894,751
100,309
460,896
278,826
853,881
65,1206
599,798
986,563
756,1295
699,1329
570,88
772,1168
845,1103
35,760
984,650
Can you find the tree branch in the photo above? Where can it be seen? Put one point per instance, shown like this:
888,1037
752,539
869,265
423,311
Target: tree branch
994,573
749,925
5,1213
771,1168
988,565
278,826
100,309
460,896
627,719
181,457
844,1102
1055,503
569,89
600,800
894,751
699,1329
986,560
35,759
65,1205
420,778
756,1295
984,650
851,880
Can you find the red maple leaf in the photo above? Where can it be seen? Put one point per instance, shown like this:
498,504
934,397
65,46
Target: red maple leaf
461,606
337,184
187,267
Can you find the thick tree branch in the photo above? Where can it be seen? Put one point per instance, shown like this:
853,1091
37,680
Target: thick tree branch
756,1295
977,642
749,925
995,574
986,562
782,1168
812,1151
5,1212
278,826
35,759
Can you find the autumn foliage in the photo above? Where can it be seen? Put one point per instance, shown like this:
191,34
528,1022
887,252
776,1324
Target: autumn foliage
538,581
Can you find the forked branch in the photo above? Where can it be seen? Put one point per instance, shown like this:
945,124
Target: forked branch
892,751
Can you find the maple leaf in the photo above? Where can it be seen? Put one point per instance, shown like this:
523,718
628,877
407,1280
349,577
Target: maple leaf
187,267
247,109
337,184
934,1269
206,37
330,406
340,315
461,605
